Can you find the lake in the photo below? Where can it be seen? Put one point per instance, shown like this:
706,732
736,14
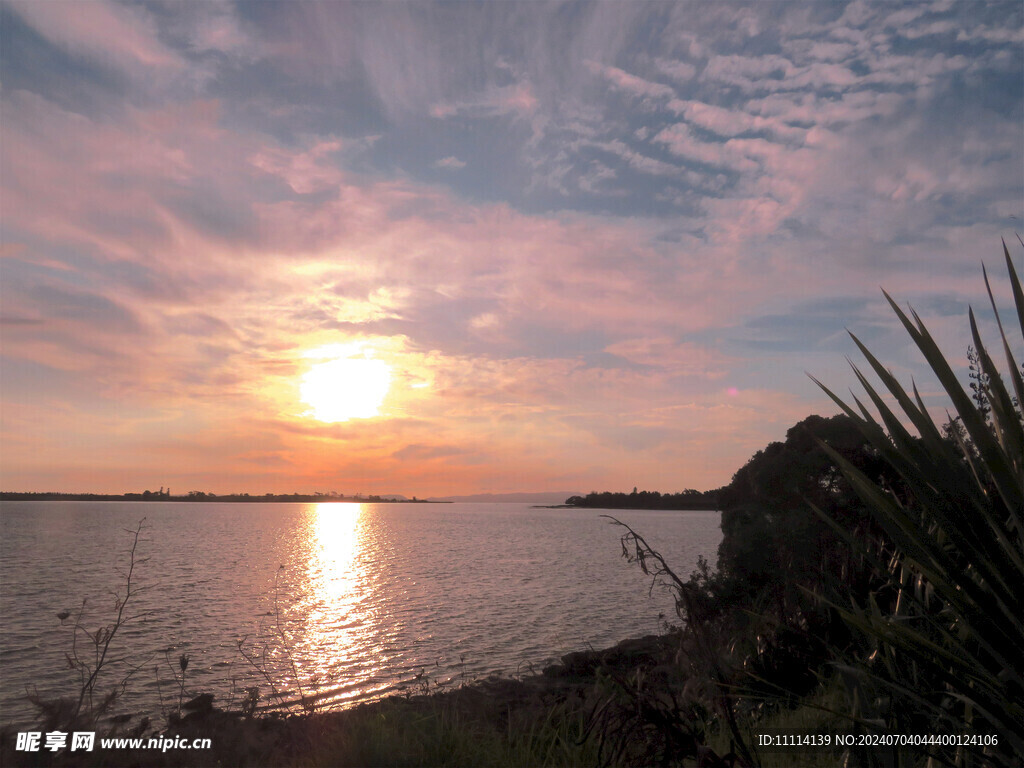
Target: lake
347,602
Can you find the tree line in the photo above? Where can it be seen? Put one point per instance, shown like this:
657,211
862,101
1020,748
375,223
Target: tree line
688,499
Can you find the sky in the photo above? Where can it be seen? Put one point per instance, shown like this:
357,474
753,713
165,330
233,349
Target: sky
440,248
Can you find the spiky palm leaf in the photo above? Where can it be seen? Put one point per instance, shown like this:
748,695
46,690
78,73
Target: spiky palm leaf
952,649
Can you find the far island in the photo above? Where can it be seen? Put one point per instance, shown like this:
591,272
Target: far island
688,499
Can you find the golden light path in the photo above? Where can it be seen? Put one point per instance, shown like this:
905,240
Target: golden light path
340,623
337,530
347,385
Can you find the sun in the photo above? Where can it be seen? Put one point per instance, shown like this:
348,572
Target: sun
345,388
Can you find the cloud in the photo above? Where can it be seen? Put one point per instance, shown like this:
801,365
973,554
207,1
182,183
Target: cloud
726,122
749,72
419,452
306,172
450,162
665,353
631,84
679,71
647,201
494,102
738,154
110,33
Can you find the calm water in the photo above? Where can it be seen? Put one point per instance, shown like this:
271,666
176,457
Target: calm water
360,597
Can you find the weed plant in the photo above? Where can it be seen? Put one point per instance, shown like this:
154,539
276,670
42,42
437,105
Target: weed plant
257,658
94,656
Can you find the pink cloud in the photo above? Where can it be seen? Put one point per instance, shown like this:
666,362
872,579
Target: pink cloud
631,84
727,122
64,175
681,141
738,154
639,161
851,107
515,100
664,353
831,51
112,33
450,162
747,71
992,34
306,172
680,71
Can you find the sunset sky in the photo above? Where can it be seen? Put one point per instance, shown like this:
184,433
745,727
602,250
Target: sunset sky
573,246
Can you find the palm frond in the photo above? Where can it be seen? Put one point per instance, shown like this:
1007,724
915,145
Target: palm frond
952,651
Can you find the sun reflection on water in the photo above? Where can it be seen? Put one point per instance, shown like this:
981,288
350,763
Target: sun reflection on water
340,612
334,569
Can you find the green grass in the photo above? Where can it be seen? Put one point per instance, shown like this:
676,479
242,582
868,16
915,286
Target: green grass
467,727
440,733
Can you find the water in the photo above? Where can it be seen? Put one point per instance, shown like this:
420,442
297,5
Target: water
344,601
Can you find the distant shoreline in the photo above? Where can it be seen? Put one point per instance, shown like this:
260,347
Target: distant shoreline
294,498
687,501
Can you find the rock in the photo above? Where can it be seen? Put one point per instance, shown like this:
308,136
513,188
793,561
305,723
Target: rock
580,663
201,703
649,651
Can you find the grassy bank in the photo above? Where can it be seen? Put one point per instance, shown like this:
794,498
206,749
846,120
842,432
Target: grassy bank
538,720
577,713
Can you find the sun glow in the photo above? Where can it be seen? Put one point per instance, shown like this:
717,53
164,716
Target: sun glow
345,388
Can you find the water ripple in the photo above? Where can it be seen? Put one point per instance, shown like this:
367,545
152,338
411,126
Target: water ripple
369,596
